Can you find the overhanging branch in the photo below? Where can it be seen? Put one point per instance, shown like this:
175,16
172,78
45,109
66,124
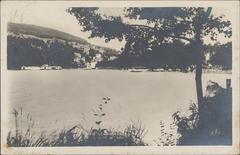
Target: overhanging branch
154,29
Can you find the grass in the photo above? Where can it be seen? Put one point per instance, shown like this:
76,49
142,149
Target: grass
131,135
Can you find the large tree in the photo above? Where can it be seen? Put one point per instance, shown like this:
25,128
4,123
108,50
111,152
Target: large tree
154,26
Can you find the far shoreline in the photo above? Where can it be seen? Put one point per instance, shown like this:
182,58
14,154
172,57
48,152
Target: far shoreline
129,70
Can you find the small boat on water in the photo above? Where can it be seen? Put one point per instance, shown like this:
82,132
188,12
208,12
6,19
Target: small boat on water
56,67
158,70
137,70
134,70
30,68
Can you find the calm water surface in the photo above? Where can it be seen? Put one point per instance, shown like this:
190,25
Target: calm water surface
58,99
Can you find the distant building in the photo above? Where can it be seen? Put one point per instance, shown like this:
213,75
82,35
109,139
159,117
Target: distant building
86,49
23,68
77,58
112,58
44,67
91,65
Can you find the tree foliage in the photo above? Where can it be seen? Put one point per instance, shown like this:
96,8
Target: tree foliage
154,29
160,24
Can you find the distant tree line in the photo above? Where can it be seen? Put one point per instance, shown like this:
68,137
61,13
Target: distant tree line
36,52
176,55
220,55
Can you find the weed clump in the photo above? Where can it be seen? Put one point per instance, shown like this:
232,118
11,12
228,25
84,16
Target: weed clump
132,135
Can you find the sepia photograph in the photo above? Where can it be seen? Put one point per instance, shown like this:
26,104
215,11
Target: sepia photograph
114,78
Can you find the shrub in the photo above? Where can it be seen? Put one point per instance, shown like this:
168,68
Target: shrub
214,127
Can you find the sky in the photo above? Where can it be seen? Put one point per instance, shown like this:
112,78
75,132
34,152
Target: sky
56,17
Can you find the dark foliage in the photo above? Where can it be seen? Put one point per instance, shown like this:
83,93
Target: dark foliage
24,51
214,127
173,56
168,22
176,55
221,55
34,52
75,136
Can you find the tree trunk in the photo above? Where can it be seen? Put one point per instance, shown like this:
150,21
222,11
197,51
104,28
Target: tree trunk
199,47
198,81
198,74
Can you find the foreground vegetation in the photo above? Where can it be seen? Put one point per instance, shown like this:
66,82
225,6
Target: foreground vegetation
132,135
212,126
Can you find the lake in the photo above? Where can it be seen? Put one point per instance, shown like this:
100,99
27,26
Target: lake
61,99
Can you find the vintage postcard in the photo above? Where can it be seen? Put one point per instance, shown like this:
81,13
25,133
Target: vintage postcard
120,77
